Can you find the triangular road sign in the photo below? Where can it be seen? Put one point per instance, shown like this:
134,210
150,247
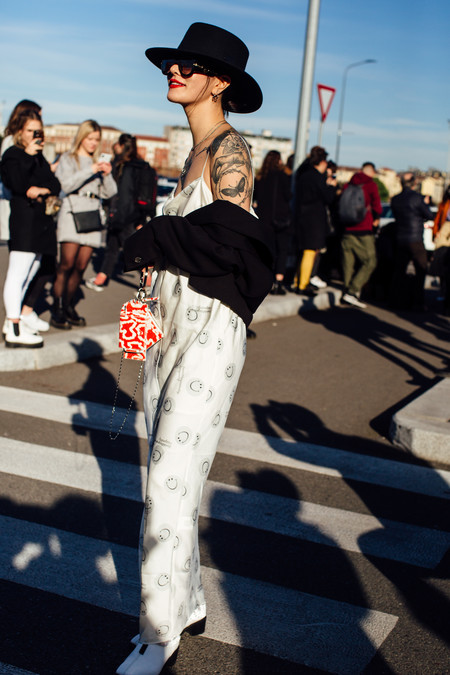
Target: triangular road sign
326,95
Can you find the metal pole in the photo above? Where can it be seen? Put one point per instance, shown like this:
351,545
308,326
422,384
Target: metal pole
319,140
341,107
309,59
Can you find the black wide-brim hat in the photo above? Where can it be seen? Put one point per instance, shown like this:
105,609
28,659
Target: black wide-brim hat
224,53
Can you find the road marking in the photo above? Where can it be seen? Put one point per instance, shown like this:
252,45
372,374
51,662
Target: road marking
320,524
6,669
279,452
321,633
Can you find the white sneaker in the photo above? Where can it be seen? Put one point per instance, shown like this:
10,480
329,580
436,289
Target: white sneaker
34,323
17,335
90,283
349,299
318,282
149,659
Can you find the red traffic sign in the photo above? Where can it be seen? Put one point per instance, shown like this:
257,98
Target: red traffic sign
326,95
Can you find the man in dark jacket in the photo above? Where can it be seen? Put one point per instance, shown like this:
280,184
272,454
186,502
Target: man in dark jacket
410,210
358,241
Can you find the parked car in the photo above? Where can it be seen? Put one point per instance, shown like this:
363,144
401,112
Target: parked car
164,188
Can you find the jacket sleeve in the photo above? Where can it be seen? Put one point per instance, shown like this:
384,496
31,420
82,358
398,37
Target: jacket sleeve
172,240
108,187
70,175
424,209
126,203
17,169
50,181
375,202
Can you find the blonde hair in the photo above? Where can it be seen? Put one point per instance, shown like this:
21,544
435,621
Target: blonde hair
86,128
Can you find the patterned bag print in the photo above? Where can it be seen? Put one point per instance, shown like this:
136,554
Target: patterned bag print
138,329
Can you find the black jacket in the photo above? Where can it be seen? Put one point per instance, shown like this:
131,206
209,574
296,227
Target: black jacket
226,252
30,229
410,211
123,206
273,195
312,196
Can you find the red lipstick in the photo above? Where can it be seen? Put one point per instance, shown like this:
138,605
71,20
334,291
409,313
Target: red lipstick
173,84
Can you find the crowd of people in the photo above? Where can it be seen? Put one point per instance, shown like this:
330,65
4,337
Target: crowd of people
329,233
53,216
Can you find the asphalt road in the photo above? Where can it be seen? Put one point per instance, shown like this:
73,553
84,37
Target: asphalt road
329,379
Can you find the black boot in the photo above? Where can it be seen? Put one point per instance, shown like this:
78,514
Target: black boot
58,317
72,315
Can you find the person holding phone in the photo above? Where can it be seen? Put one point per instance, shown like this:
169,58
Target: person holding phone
27,174
85,180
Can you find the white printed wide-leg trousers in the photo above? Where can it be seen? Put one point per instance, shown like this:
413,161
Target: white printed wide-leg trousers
190,380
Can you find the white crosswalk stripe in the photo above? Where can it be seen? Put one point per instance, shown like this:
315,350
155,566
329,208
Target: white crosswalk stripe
321,524
330,635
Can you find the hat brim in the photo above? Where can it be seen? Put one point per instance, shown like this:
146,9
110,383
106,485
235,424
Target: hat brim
244,94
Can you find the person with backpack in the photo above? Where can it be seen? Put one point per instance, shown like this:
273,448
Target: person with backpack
131,207
359,212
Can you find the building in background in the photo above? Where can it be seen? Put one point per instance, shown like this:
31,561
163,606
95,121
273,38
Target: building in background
59,138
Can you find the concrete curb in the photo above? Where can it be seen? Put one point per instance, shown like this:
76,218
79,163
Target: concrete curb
423,426
82,343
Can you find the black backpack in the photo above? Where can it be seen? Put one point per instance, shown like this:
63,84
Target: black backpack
146,189
352,205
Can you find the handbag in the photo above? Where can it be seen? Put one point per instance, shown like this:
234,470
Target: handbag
86,221
52,205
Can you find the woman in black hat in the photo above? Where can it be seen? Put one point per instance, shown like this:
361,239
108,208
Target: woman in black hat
214,268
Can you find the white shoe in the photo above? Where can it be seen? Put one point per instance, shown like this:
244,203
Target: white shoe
318,282
149,659
34,323
349,299
195,624
90,283
17,335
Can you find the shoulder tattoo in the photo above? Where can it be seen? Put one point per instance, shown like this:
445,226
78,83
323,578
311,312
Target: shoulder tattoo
231,169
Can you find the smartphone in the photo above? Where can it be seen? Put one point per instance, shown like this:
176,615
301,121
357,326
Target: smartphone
38,133
104,157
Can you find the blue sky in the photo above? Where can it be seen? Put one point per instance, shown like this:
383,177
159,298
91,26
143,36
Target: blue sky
85,58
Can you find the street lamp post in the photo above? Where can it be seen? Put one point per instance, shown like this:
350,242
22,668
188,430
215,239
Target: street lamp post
341,109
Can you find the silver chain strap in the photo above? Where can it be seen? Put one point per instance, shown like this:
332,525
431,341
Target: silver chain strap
113,412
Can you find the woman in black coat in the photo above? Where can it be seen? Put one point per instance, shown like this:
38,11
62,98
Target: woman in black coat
313,193
124,214
30,179
273,197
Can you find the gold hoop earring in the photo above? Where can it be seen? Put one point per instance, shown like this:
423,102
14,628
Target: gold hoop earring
215,97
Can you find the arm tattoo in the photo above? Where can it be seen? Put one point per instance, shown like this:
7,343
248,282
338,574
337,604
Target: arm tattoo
231,171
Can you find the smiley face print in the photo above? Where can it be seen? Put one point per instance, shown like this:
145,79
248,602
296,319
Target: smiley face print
172,483
229,370
168,405
203,338
157,453
196,387
163,581
164,533
192,314
183,436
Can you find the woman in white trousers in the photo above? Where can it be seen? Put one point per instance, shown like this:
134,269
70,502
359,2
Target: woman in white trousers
206,288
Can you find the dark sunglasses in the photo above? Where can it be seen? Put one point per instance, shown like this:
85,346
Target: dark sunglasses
187,67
